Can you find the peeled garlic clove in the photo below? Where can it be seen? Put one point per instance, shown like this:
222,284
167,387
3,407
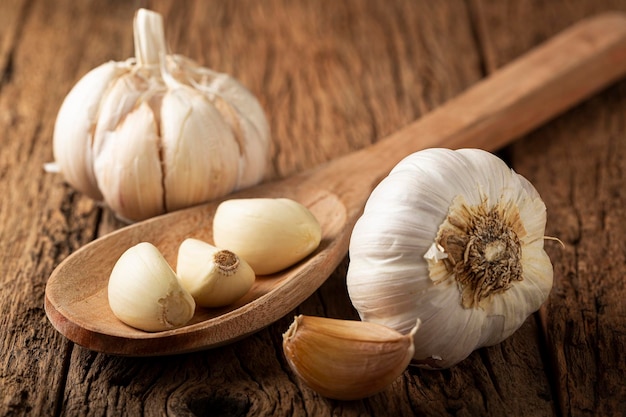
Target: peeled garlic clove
214,277
344,359
195,170
145,293
128,169
270,234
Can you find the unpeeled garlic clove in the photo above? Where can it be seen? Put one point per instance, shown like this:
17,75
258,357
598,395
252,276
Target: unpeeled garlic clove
346,359
72,147
145,293
271,234
214,277
243,113
205,167
128,169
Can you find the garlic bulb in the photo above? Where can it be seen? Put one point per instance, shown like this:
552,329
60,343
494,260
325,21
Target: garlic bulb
269,233
159,132
144,292
346,359
454,238
214,277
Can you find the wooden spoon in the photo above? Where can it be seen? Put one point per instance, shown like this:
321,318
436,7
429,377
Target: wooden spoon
516,99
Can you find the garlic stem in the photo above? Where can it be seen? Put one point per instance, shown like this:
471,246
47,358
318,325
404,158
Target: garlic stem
149,37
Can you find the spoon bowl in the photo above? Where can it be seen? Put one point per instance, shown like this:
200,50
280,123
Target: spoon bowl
79,283
509,103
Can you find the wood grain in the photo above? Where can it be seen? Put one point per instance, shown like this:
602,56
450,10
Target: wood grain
576,164
334,77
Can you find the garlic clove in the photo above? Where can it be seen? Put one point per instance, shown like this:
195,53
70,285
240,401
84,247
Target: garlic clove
128,167
245,116
239,108
270,234
252,144
72,137
145,293
197,166
346,359
214,277
123,95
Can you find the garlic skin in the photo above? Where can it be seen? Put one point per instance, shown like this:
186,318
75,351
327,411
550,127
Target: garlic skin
159,132
454,238
346,359
271,234
72,143
214,277
144,292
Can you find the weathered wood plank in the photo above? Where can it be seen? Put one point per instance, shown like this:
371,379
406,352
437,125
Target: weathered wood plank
42,220
329,80
577,165
333,77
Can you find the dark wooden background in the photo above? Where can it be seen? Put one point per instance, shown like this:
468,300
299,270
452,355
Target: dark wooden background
333,76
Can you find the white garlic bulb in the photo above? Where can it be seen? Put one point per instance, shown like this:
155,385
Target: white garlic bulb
271,234
454,238
214,277
159,132
144,292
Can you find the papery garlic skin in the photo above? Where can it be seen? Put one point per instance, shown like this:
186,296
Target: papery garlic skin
346,359
214,277
210,133
271,234
206,165
129,171
73,128
144,292
399,271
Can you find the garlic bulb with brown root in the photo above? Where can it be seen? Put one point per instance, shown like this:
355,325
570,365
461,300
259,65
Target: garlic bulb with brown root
159,132
454,238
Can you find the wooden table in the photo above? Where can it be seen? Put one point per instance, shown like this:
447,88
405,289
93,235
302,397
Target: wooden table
333,76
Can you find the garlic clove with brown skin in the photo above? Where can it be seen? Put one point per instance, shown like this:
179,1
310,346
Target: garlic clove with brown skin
271,234
346,359
214,277
144,292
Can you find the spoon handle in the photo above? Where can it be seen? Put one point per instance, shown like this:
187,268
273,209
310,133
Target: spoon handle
511,102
